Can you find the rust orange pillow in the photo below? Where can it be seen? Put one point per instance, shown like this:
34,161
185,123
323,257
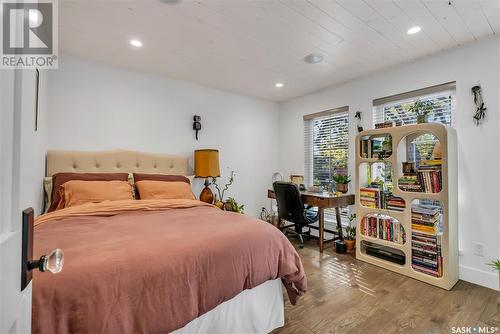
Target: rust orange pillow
77,192
59,179
164,190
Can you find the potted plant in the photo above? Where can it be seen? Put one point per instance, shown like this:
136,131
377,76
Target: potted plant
496,266
232,205
350,234
422,109
342,182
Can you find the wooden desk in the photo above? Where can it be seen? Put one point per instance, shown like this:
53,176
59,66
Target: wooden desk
324,201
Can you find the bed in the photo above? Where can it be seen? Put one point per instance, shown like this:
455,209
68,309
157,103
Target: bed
158,266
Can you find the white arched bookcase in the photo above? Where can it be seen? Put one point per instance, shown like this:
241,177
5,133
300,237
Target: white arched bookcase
370,233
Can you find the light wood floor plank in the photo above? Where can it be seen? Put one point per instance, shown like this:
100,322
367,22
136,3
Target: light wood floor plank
350,296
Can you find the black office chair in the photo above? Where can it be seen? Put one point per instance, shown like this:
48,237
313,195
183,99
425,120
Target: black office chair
291,209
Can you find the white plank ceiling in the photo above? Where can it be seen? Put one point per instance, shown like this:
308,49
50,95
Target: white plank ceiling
248,46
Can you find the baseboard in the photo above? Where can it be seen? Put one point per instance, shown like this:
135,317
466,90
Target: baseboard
479,277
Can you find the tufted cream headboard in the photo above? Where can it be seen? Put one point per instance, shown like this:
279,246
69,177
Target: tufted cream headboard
116,161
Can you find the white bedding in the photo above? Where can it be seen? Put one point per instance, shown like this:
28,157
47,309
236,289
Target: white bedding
255,311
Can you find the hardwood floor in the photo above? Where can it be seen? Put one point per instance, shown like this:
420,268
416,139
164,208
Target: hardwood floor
350,296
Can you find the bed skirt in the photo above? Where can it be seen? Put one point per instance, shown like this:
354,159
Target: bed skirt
258,310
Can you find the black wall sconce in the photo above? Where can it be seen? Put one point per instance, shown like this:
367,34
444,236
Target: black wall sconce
196,124
480,112
53,262
357,115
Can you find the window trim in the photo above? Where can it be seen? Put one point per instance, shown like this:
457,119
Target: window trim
325,113
452,85
308,174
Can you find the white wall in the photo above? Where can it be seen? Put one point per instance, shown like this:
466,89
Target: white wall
92,106
479,158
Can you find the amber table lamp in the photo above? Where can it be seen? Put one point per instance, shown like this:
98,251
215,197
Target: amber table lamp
206,164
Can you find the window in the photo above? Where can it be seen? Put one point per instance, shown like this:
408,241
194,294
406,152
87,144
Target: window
326,146
326,152
397,109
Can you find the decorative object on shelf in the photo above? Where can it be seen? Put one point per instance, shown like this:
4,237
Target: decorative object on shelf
196,125
480,112
422,109
386,149
408,168
376,147
436,152
206,164
341,182
350,233
232,205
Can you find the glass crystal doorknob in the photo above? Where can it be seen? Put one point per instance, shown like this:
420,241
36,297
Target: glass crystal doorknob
53,262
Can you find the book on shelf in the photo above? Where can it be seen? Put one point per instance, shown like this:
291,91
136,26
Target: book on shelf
377,198
428,178
395,203
409,183
426,240
384,228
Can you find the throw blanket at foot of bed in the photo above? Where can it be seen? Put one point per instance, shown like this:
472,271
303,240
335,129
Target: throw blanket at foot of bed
152,266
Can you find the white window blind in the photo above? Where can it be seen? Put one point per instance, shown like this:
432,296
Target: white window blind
326,146
326,152
396,108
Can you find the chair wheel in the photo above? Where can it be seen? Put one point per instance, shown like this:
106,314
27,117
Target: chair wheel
301,246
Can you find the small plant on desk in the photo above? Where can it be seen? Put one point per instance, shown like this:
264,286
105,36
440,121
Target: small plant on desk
350,233
342,182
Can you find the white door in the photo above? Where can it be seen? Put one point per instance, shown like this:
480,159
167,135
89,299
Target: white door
15,306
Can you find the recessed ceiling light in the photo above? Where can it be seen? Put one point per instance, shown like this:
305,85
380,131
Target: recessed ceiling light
136,43
278,85
313,58
414,30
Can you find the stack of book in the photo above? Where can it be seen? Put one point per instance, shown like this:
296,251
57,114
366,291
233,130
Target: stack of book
369,197
395,203
388,124
383,227
426,240
374,197
410,183
429,175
